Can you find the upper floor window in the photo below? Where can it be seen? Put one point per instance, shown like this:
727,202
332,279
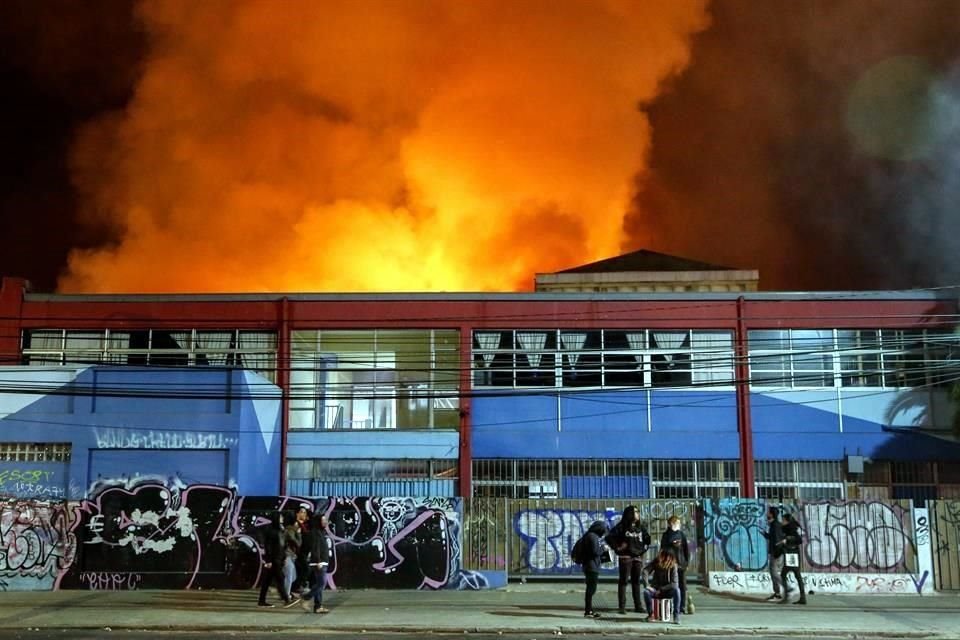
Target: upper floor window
602,358
375,379
256,350
853,357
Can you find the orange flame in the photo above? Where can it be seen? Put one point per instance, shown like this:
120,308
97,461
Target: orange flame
374,145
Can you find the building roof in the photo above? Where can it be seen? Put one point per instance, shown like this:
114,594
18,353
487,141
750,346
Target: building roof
644,260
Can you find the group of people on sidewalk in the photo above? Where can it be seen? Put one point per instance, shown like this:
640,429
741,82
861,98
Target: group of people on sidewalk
296,554
664,578
784,537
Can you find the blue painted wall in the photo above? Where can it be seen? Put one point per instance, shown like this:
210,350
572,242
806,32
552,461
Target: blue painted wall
205,428
658,424
830,424
664,424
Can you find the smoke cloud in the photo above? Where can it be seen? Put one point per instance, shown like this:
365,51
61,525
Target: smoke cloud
816,141
363,145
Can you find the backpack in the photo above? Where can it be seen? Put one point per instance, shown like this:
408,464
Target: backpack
576,553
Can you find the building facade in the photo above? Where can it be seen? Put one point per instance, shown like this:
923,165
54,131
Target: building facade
536,395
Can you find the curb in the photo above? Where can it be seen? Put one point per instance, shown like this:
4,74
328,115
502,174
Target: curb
597,629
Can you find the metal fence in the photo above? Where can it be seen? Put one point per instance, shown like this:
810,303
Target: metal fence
533,537
840,536
945,541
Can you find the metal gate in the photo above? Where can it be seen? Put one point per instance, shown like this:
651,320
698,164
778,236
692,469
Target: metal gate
945,521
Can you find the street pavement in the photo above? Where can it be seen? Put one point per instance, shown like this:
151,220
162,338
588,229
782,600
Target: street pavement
522,610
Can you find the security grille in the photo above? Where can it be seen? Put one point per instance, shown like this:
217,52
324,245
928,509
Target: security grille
571,479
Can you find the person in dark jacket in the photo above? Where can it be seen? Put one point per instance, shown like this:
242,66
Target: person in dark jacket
274,554
591,554
792,538
319,548
292,541
629,539
774,534
674,542
663,577
301,562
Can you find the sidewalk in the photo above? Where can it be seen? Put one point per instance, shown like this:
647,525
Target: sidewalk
521,608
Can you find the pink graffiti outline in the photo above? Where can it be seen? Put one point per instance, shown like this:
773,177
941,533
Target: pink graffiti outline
399,558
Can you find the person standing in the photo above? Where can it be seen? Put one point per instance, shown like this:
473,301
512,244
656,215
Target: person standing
792,539
588,553
319,552
301,561
629,539
774,534
674,542
273,559
292,542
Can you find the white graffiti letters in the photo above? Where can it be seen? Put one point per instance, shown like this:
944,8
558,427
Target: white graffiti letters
855,534
123,439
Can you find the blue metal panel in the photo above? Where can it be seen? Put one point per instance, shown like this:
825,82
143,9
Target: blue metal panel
605,487
697,411
603,425
187,466
794,412
376,445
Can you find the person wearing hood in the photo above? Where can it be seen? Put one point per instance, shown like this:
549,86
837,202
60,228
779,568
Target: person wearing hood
274,555
629,539
590,558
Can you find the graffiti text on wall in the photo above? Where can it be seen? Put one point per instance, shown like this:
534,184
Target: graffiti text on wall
35,546
124,439
148,534
548,535
29,482
838,535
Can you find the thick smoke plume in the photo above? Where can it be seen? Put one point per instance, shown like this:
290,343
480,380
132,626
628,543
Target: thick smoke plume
818,141
374,145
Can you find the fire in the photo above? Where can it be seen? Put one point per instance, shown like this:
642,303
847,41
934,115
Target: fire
358,146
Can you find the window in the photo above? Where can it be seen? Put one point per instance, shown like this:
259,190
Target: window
35,451
898,358
255,350
602,358
375,379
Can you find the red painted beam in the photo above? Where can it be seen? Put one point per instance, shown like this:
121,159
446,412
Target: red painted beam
465,473
744,427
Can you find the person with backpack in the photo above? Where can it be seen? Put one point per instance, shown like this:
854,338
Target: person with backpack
674,542
663,578
629,539
792,539
588,553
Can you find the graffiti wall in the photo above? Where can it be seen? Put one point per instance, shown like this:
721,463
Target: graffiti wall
150,535
944,533
856,546
36,545
546,535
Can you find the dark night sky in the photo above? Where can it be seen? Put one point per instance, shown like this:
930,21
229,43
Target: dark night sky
60,66
764,152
